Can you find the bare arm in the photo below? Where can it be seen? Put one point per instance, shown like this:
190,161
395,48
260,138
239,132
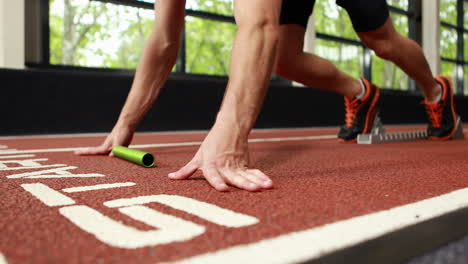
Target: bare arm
159,56
223,156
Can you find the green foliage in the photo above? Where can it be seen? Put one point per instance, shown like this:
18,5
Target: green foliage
386,74
96,34
222,7
347,58
465,46
209,45
56,36
465,14
449,69
448,11
465,80
333,20
402,4
448,42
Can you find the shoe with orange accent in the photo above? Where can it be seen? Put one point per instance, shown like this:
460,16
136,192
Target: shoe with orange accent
360,114
442,115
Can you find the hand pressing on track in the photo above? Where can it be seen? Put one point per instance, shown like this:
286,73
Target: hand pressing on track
223,158
120,136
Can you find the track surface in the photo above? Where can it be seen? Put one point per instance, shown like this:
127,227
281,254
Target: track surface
327,196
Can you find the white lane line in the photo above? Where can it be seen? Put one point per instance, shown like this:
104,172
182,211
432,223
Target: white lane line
3,147
315,242
3,259
203,210
98,187
16,156
47,195
176,132
164,145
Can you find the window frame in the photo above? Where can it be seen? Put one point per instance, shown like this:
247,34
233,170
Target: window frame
44,57
459,61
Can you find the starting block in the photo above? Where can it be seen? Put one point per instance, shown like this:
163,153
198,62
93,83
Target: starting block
378,134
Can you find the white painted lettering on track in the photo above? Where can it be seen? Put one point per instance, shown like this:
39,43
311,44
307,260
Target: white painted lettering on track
98,187
3,259
54,173
209,212
313,243
47,195
170,228
16,156
25,164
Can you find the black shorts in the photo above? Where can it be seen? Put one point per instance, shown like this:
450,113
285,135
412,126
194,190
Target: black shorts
366,15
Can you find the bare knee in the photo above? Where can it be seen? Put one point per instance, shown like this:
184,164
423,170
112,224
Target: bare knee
283,65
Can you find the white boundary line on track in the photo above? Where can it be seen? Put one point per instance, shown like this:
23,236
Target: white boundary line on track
316,242
164,145
82,135
257,130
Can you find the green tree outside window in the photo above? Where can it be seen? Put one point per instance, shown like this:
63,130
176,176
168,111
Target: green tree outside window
448,11
347,58
333,20
448,42
209,45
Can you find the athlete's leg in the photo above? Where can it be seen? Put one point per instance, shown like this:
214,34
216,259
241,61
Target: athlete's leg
375,28
295,64
404,52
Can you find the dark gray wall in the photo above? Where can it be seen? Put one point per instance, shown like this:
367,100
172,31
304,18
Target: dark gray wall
72,101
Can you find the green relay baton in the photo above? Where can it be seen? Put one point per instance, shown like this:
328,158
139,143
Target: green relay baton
139,157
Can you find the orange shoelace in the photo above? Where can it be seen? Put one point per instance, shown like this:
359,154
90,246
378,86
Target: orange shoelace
434,112
351,106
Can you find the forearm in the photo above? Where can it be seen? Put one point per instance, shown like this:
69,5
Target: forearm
252,61
158,58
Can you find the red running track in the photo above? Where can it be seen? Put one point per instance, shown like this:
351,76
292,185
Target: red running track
317,182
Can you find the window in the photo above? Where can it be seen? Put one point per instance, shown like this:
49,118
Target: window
97,34
208,51
111,34
453,42
221,7
346,57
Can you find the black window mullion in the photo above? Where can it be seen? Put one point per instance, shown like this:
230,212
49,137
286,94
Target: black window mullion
460,45
182,58
211,16
45,28
400,11
131,3
414,30
339,39
448,25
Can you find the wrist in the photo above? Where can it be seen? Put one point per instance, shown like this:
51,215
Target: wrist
233,123
126,125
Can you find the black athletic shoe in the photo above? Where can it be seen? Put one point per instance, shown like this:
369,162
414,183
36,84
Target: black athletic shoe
442,116
360,114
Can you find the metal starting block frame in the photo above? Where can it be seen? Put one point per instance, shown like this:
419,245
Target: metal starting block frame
378,134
